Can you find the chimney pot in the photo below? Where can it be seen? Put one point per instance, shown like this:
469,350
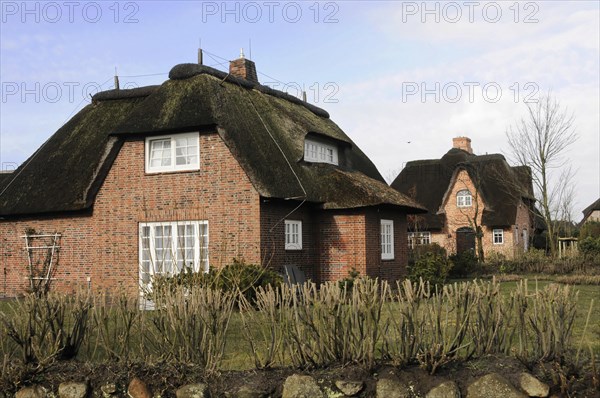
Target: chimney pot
463,143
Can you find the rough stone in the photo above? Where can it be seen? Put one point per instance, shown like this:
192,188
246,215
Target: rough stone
388,388
298,386
532,386
493,385
138,389
72,390
250,392
198,390
108,390
447,389
31,392
350,388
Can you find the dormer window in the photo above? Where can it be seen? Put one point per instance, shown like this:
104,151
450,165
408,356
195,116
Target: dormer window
464,198
320,152
177,152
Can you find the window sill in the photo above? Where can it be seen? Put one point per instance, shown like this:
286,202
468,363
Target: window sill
153,173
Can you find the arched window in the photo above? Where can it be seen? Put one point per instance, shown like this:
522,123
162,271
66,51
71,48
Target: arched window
464,198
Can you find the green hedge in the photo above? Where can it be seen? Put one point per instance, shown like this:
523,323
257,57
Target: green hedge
430,263
237,277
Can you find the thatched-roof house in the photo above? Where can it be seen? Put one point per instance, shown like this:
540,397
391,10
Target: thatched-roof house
591,213
202,169
462,190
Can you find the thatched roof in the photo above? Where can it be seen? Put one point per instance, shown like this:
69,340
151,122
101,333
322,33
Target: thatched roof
4,178
501,186
263,128
588,210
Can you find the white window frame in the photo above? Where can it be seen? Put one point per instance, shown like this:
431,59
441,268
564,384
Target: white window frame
419,238
464,198
173,166
293,235
319,152
498,236
151,266
387,239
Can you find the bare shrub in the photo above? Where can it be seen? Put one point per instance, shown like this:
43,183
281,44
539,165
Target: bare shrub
48,327
190,325
334,324
116,321
265,323
544,321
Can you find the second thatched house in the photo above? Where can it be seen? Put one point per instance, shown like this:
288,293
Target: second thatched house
469,195
207,167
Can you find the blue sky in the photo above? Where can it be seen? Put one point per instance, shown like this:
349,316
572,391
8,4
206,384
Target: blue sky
377,67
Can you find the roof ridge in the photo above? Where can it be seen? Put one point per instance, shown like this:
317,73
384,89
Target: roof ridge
127,93
186,71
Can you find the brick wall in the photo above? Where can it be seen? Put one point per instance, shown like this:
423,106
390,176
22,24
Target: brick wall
352,239
104,245
342,243
390,270
273,213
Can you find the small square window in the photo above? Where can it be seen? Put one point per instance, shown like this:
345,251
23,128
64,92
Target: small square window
464,198
498,236
387,239
179,152
293,235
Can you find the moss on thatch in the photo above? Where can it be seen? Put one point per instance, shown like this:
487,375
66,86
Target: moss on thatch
61,175
264,129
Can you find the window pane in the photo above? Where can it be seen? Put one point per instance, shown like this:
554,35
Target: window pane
185,151
185,246
160,152
163,249
145,260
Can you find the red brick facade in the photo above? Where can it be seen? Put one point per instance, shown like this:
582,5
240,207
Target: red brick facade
103,245
459,217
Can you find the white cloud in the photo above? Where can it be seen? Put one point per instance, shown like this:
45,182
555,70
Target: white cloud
561,54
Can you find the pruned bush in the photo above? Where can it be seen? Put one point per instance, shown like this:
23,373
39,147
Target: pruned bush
48,327
190,325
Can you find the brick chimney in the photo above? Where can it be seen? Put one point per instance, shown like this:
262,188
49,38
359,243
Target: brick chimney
463,143
243,68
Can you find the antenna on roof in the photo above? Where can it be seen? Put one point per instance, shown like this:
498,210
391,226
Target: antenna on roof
242,53
250,47
116,79
199,51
